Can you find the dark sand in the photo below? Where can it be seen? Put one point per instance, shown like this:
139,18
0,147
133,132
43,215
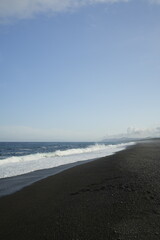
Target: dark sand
116,197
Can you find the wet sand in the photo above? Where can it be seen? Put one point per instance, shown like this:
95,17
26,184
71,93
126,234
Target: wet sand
115,197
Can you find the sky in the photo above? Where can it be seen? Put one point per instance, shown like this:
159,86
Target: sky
79,70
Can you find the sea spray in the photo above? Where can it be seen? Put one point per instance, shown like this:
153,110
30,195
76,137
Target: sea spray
18,165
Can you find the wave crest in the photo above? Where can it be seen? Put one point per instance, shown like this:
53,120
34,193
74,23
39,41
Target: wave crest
14,166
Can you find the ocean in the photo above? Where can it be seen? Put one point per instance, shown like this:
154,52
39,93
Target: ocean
22,164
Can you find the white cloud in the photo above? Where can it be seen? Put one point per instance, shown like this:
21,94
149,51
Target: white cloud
25,133
21,9
138,133
24,9
143,133
155,1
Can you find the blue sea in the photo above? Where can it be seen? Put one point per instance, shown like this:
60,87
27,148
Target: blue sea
22,163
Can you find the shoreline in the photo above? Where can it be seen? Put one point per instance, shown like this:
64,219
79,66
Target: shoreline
114,197
12,184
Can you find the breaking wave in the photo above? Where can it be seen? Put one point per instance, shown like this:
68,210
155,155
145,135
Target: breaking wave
18,165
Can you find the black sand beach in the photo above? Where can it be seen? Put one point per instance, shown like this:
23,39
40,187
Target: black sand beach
115,197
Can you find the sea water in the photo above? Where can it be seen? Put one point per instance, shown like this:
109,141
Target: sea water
24,163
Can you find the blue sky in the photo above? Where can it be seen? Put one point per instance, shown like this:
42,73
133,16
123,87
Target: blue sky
78,72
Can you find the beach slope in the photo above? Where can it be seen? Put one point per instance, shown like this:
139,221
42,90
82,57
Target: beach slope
115,197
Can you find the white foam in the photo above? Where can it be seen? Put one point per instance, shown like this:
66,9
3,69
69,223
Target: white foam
14,166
